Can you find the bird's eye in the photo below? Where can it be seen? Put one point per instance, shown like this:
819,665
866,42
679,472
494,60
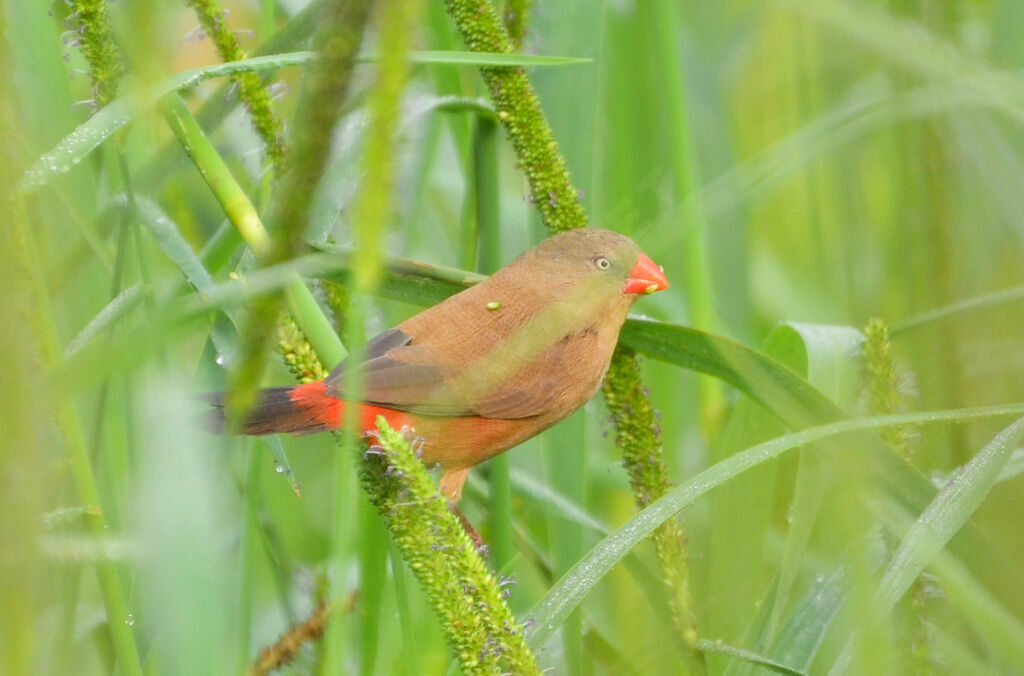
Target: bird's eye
602,262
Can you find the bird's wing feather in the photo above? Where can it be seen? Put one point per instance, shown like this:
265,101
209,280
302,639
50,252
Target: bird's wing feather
531,391
395,374
401,374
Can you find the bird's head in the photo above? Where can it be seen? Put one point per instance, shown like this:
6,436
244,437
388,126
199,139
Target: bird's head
599,259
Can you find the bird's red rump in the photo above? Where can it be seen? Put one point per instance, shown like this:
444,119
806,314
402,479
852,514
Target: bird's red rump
314,400
324,409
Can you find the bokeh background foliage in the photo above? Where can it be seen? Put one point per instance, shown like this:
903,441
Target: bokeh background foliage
849,488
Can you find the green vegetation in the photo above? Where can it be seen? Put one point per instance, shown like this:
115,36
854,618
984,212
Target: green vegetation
807,457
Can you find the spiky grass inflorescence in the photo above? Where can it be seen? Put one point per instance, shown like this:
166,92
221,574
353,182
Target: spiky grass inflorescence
250,89
288,645
297,353
885,384
519,112
462,589
885,397
638,435
96,41
336,298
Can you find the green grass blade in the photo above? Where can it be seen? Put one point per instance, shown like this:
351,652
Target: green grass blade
955,311
479,59
223,333
576,584
101,126
168,237
947,513
112,312
801,636
724,649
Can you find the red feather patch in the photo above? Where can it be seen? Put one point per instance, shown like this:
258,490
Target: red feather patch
324,409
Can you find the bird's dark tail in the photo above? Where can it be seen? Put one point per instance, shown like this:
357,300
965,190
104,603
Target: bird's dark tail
281,410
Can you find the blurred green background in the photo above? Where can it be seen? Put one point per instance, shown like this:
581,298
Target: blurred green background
797,168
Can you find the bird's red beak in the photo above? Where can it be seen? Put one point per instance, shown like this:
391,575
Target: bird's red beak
645,277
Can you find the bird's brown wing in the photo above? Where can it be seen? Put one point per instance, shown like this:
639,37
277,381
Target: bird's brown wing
400,374
537,388
390,380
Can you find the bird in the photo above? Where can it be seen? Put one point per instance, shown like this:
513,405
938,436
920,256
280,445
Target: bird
489,367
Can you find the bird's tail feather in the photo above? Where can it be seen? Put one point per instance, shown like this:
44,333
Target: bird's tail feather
282,410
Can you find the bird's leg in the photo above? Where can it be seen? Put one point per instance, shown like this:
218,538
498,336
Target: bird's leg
478,541
451,486
451,483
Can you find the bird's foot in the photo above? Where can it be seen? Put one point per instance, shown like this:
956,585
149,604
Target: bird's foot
478,541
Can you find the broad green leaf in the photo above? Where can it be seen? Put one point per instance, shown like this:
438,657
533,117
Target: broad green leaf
776,387
829,356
